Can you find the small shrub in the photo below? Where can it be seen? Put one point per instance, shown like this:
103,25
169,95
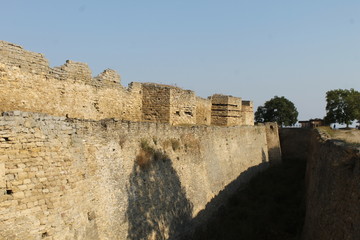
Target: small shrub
143,159
146,147
148,154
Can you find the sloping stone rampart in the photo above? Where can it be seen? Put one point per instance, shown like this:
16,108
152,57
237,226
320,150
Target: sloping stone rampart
332,188
65,178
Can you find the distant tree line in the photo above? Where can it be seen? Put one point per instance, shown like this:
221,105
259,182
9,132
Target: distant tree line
342,106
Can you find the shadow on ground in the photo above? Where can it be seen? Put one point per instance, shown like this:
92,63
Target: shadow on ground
270,207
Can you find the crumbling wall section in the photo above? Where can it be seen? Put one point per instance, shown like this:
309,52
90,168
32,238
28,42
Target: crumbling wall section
77,71
16,56
27,83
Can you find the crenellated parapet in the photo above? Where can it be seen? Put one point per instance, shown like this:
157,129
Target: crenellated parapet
28,83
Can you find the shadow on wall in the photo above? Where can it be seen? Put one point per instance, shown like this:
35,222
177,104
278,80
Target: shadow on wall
263,156
295,142
157,204
218,202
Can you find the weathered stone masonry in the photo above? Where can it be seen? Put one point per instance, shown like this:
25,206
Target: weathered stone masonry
66,172
332,188
29,84
67,178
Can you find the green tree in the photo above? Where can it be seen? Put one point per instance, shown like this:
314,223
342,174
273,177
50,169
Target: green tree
277,109
342,106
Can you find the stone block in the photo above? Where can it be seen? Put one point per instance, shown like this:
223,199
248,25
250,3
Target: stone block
22,187
2,175
22,175
19,195
27,181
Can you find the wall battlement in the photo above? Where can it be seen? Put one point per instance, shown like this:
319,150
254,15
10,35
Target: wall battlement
28,83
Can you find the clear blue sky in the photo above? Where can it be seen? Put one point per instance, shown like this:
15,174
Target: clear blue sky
253,49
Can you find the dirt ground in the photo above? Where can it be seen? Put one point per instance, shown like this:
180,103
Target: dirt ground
348,135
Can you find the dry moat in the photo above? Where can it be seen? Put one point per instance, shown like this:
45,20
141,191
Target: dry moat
82,157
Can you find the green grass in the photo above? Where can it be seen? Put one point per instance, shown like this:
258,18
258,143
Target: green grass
270,207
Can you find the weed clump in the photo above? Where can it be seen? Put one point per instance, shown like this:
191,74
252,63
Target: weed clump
148,154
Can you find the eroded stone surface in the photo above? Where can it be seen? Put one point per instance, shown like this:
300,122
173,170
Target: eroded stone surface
27,83
79,179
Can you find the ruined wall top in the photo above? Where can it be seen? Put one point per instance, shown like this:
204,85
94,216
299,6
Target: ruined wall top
36,63
15,55
28,82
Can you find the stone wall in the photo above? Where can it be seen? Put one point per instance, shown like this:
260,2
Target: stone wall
14,55
333,189
182,107
273,142
203,111
295,142
29,84
156,103
225,110
247,113
64,178
78,97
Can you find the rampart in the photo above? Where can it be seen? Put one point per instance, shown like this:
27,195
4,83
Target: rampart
81,157
333,186
29,84
82,179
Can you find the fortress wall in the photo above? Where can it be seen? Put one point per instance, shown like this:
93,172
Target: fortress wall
332,188
25,91
273,142
46,176
247,113
155,103
225,110
29,84
295,142
76,71
15,55
182,106
110,179
203,111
